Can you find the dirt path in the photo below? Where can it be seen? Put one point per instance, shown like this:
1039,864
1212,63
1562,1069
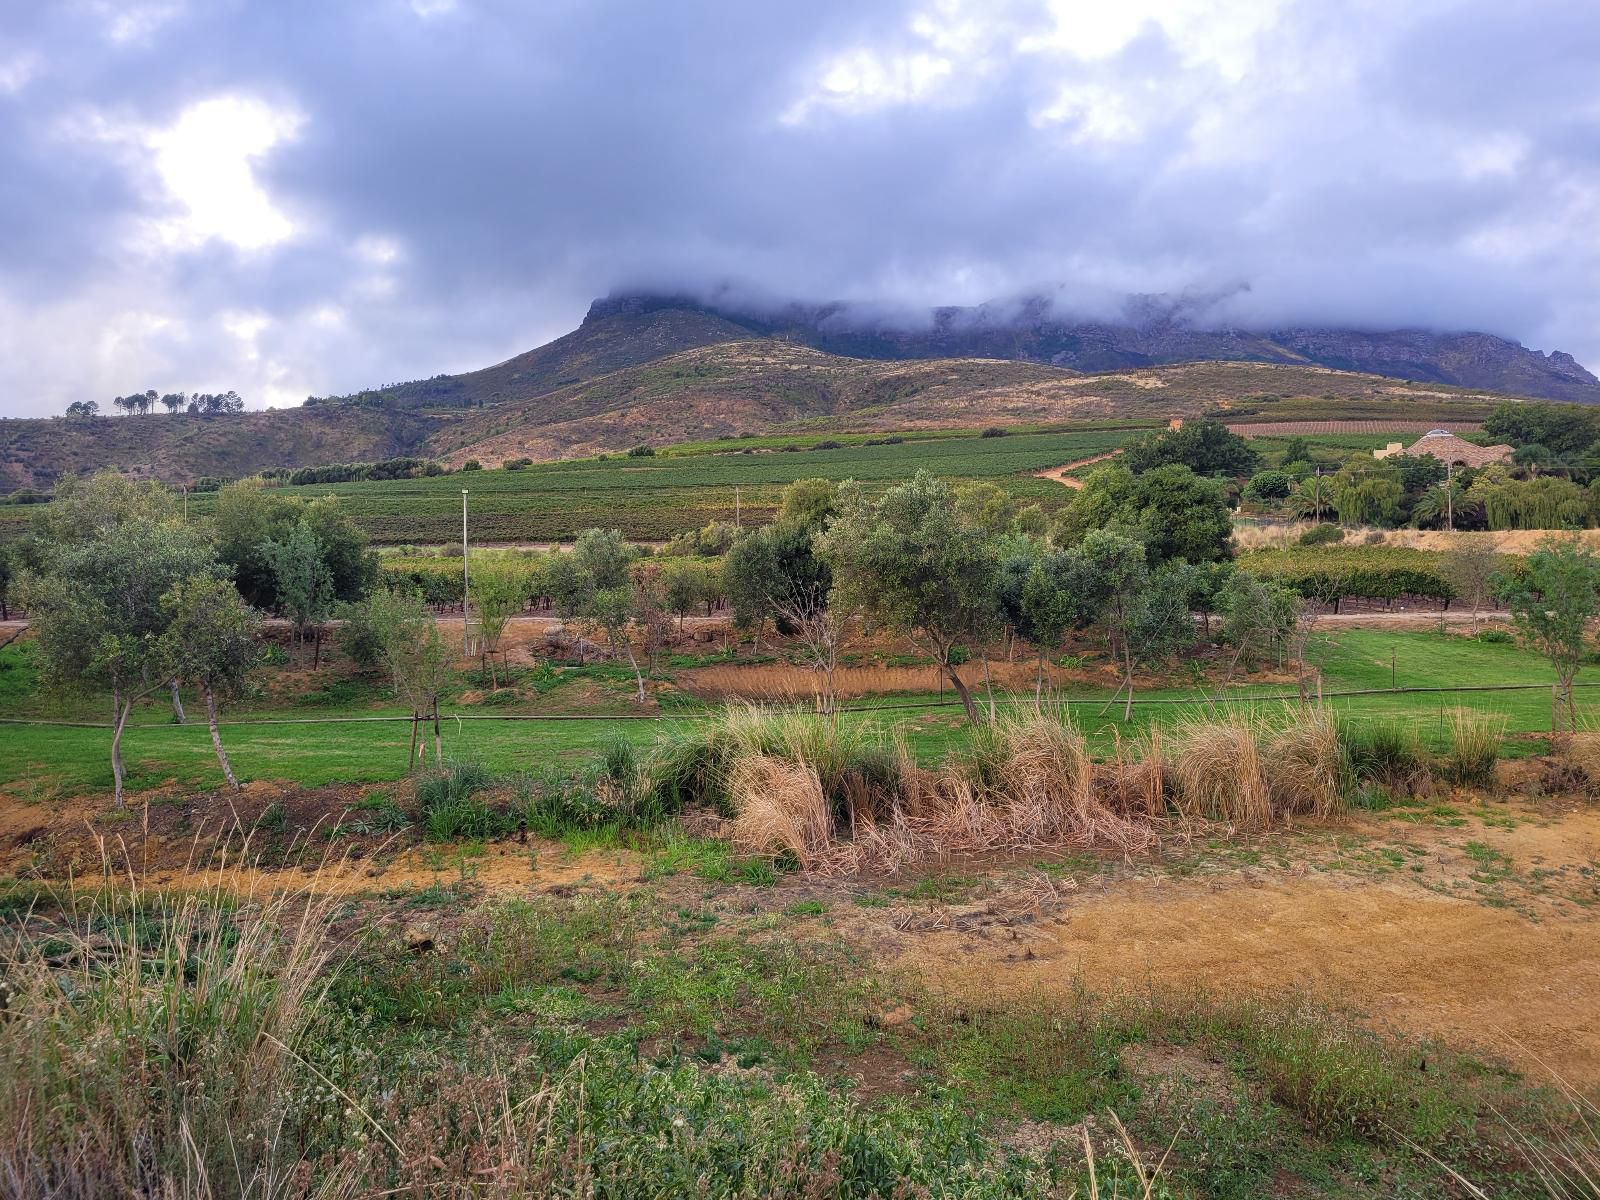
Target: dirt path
1059,474
1515,976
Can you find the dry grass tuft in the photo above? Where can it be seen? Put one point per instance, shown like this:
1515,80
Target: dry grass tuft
1305,767
1218,769
780,809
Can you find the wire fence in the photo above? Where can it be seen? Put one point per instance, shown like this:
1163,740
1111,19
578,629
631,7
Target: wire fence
892,706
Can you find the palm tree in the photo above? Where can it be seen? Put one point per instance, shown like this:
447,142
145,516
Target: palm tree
1312,497
1443,501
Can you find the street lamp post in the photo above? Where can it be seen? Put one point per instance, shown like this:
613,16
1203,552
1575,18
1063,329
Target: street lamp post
466,582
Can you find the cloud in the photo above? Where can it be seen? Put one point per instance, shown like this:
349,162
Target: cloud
307,198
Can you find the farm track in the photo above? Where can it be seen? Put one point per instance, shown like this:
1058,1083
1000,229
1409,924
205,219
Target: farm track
1061,475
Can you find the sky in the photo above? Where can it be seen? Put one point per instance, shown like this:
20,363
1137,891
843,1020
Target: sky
304,197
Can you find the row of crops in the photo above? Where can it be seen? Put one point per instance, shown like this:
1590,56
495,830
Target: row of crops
653,498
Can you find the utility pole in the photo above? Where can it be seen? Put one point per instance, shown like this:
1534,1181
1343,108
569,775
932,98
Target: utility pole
736,522
1449,497
466,582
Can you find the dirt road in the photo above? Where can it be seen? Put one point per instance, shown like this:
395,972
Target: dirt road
1059,474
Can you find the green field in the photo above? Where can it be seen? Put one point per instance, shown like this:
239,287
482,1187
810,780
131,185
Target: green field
323,750
654,498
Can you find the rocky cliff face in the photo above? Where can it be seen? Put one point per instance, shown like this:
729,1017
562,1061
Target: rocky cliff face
1152,332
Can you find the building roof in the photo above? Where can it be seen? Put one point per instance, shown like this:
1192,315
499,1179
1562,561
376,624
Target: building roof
1448,448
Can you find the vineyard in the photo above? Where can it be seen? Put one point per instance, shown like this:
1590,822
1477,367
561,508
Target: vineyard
1330,574
652,498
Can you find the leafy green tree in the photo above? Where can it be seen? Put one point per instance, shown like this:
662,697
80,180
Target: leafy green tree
500,591
1367,492
684,585
986,507
1561,428
1552,602
1205,446
1258,619
246,516
1268,485
302,582
1172,511
906,561
1445,505
212,636
809,502
83,509
1297,451
97,616
600,587
1121,577
1059,593
418,661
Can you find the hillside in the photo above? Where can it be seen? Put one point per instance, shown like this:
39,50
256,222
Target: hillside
612,336
754,386
180,448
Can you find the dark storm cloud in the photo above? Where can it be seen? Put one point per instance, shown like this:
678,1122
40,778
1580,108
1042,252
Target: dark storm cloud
462,178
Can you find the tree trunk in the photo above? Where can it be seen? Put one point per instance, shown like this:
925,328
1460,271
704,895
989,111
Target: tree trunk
316,654
638,678
411,756
1127,662
438,744
177,702
122,708
961,690
216,736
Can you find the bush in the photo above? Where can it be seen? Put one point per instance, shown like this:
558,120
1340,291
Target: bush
828,444
518,464
1268,485
472,464
451,808
642,452
994,431
1387,754
1495,637
1326,534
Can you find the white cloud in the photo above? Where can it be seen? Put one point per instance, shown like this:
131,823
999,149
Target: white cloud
206,162
18,70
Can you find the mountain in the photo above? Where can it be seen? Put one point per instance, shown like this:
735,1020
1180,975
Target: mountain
663,368
1153,331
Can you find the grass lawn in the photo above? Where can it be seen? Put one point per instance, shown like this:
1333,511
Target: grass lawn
44,760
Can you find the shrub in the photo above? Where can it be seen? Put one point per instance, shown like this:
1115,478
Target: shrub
472,464
1385,753
1325,534
451,807
1217,767
1306,769
641,452
994,431
1495,637
1268,485
828,444
518,464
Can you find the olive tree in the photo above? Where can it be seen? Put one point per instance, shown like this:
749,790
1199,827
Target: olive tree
96,613
212,638
417,659
500,591
907,562
1552,603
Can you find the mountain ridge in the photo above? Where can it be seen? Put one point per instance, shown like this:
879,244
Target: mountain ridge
1157,331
